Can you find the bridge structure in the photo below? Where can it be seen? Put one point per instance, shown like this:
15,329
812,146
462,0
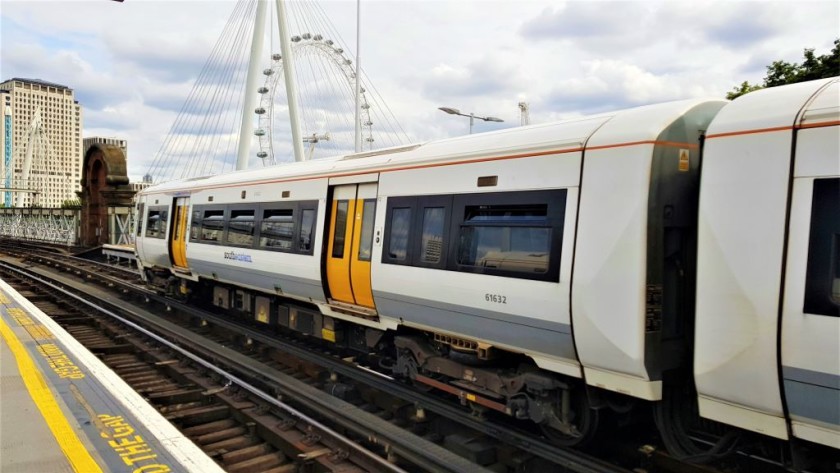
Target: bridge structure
105,216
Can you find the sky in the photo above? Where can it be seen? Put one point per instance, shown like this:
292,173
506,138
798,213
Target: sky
133,64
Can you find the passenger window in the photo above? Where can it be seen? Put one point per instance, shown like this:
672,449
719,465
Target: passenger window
431,244
212,225
153,224
164,218
241,228
195,229
510,238
277,229
307,222
366,241
340,229
822,279
835,284
400,225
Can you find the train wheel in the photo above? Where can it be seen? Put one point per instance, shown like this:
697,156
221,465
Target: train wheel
581,416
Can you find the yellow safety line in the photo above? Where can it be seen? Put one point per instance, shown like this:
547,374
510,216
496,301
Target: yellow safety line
73,449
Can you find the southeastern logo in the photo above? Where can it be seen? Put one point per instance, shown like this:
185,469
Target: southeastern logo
238,257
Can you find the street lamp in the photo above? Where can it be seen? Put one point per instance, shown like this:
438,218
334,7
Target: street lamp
455,111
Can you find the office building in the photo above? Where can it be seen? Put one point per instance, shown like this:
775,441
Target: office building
46,126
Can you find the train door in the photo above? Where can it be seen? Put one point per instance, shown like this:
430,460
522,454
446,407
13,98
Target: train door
350,244
178,235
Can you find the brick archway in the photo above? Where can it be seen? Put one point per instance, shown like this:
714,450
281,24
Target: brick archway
104,187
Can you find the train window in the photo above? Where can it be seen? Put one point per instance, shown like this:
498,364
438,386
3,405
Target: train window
340,228
835,260
277,229
195,228
307,222
153,223
822,277
212,226
241,228
431,243
399,228
504,238
511,234
156,223
139,219
366,240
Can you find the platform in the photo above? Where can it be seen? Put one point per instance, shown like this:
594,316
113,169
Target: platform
119,252
63,410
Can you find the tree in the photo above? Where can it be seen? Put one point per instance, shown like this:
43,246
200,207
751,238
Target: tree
783,72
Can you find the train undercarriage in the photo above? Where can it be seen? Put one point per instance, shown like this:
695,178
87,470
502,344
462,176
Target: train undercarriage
487,380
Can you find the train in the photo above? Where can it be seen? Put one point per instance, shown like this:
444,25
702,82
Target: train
680,258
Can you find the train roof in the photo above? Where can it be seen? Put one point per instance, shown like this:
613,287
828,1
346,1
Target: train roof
777,108
639,124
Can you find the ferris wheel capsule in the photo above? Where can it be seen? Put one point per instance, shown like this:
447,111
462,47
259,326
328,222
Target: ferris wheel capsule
263,90
262,154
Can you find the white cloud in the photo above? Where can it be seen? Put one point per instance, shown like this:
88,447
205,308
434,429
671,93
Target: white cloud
132,64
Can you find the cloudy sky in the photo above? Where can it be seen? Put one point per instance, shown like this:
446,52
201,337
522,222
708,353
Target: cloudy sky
133,64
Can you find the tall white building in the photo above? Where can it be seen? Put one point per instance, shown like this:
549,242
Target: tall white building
121,144
46,131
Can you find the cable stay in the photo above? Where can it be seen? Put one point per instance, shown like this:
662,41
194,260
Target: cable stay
204,138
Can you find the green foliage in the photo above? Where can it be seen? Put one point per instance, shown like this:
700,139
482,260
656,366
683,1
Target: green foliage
742,89
783,72
71,204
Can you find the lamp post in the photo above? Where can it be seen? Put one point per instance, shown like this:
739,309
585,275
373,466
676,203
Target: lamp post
455,111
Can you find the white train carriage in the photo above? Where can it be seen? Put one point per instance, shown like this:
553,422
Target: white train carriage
473,240
575,244
767,349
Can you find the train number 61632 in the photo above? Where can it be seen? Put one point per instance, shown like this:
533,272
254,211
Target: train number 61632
497,298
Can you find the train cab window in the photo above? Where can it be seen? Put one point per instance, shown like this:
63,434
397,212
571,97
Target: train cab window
212,226
340,228
506,237
307,222
156,223
139,219
241,228
822,277
431,243
399,231
277,229
366,240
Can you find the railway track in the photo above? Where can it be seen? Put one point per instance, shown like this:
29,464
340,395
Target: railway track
267,358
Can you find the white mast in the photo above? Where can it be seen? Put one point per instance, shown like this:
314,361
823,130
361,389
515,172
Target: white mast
34,132
289,77
247,125
358,75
